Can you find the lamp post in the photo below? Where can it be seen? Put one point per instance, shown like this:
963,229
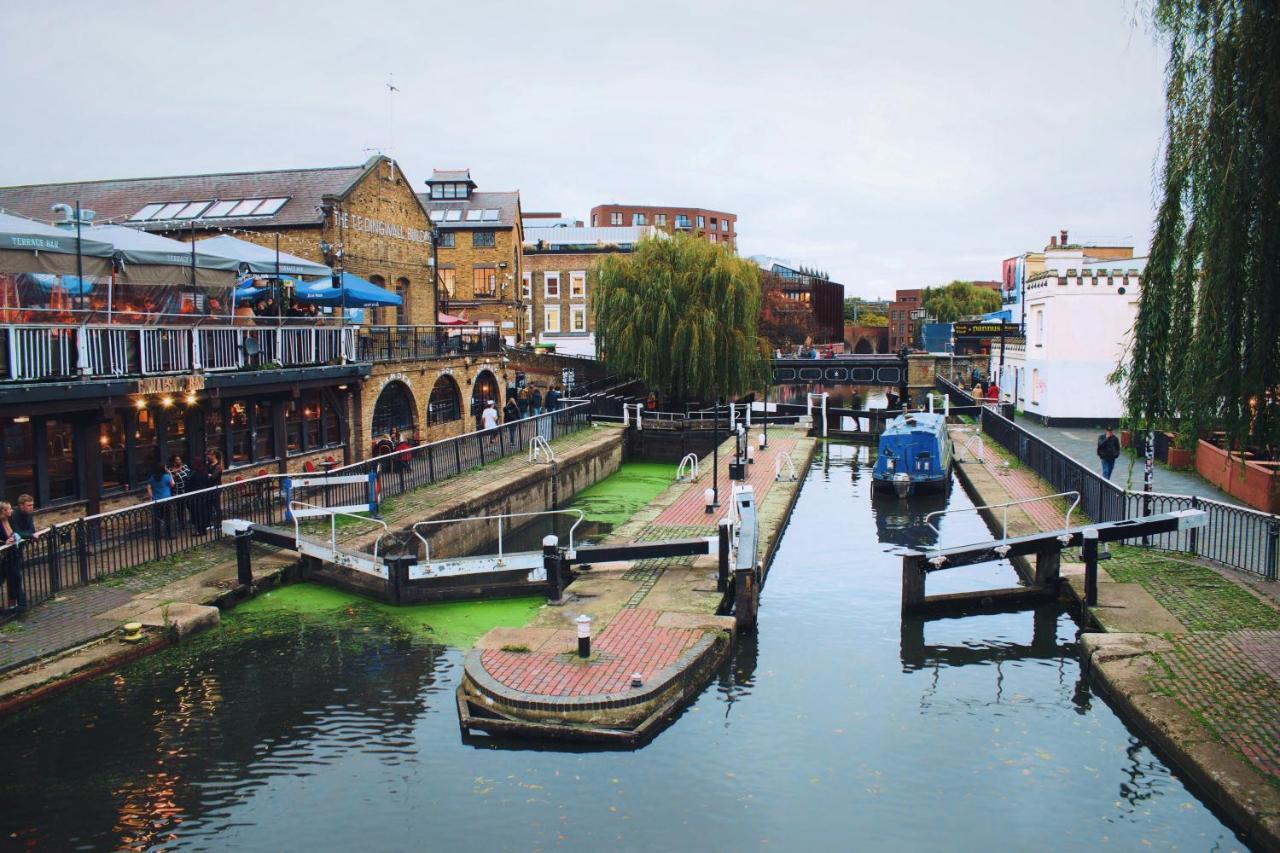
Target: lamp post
715,457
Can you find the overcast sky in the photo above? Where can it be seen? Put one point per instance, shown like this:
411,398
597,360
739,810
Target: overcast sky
891,144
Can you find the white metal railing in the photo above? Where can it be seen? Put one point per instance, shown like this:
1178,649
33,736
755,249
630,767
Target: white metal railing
778,465
688,464
301,509
540,448
39,352
1004,522
426,544
970,438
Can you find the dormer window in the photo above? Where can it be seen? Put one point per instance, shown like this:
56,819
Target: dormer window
449,191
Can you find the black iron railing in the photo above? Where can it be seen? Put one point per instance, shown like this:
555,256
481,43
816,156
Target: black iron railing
1234,536
415,343
78,552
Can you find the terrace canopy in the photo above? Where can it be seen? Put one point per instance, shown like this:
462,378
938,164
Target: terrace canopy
260,260
355,292
27,246
145,258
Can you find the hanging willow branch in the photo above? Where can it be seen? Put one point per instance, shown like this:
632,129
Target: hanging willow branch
680,314
1207,341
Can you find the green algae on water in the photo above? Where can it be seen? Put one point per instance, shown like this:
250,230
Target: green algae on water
458,623
619,496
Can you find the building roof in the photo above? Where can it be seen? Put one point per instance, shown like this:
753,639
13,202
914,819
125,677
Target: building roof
625,235
450,176
492,209
125,201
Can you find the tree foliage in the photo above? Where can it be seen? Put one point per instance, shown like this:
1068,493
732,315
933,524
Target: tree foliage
782,321
681,314
856,310
1206,343
958,300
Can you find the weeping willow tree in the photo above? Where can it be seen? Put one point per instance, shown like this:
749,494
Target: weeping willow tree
1207,341
681,314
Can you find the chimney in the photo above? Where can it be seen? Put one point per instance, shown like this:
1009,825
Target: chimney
1064,238
1053,242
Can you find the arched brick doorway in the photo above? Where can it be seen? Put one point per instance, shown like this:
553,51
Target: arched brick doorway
864,347
445,404
395,409
484,388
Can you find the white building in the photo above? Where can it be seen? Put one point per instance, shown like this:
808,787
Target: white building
1079,315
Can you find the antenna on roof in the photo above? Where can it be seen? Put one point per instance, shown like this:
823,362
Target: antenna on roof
391,114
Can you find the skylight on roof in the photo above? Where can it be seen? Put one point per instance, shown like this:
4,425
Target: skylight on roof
221,208
453,215
192,210
146,213
474,215
437,216
490,216
169,211
270,206
245,207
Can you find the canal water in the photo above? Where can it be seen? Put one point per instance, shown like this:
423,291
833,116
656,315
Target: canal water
332,724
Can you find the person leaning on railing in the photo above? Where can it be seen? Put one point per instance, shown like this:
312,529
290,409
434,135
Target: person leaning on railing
11,559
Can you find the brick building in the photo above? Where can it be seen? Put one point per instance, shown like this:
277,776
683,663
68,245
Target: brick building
905,314
558,281
479,252
715,226
810,292
83,435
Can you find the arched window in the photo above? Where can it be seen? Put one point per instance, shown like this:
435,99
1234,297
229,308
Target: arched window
445,403
395,408
402,310
484,389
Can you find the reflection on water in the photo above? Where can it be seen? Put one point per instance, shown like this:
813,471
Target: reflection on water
838,726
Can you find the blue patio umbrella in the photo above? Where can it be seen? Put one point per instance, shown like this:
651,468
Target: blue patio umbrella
354,292
72,285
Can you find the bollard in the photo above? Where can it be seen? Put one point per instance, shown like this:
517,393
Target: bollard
1089,551
244,569
584,636
709,499
551,563
722,575
1273,549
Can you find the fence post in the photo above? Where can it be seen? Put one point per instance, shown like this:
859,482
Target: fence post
552,564
1273,547
82,549
244,568
722,575
55,564
1089,552
431,463
1194,533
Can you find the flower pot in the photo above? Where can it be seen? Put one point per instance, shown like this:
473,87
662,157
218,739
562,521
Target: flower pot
1126,438
1180,458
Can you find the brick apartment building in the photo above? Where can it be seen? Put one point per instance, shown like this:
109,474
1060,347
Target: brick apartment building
480,250
715,226
905,314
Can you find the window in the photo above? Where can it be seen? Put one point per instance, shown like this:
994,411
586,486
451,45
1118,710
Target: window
19,458
551,319
448,190
528,319
152,209
484,282
453,216
593,219
1040,327
578,284
638,219
578,318
170,210
660,219
263,434
175,435
490,216
221,208
615,218
702,222
192,210
402,310
115,473
713,223
307,424
526,285
445,403
394,410
483,240
724,225
215,430
682,221
245,207
269,206
447,282
713,236
448,239
474,215
145,452
551,285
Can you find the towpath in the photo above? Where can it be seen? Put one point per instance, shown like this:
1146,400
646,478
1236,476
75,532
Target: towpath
1190,650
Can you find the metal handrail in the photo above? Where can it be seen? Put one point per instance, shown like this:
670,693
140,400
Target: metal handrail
539,446
777,467
973,435
1004,524
427,544
690,461
333,523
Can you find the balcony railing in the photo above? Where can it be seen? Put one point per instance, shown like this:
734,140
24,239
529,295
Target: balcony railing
41,352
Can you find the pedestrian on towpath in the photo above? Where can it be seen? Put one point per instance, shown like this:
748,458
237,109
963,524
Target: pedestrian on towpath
1108,451
489,417
11,559
511,414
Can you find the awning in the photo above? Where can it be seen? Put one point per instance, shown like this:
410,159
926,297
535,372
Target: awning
145,258
355,292
449,320
30,246
260,260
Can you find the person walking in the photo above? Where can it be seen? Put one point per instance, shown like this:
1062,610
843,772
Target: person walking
489,419
24,518
1108,451
535,401
511,414
159,490
553,398
11,559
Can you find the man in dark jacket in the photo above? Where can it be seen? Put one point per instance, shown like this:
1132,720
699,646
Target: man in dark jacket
1108,451
24,519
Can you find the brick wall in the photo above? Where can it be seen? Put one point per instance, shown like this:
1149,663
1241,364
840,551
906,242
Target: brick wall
537,265
464,258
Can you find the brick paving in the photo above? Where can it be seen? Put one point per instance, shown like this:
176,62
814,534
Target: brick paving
632,643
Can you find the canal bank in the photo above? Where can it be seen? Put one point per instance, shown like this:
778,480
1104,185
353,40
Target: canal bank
1187,651
78,634
657,624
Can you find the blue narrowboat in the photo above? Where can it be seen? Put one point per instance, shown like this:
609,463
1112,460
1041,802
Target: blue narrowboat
914,455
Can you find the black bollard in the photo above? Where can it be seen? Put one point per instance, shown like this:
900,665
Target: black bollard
244,568
584,636
722,576
552,564
1089,551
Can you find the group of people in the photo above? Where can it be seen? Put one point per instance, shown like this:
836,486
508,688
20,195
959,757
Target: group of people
264,311
526,402
16,526
178,478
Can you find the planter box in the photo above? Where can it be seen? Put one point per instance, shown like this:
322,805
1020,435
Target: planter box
1257,484
1179,458
1126,438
